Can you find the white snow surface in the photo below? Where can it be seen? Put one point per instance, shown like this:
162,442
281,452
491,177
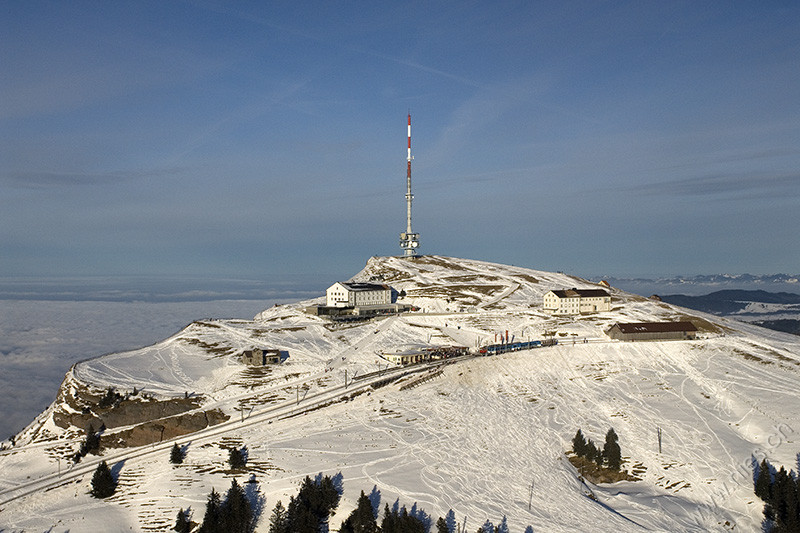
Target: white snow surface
473,439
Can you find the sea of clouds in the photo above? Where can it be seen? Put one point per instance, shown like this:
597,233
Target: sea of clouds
41,339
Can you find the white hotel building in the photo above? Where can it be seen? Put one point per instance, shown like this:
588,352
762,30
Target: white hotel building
577,301
342,294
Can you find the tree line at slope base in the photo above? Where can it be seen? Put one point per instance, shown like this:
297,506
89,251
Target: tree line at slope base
780,491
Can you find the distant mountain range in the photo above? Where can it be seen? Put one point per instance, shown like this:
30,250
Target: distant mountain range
705,283
779,311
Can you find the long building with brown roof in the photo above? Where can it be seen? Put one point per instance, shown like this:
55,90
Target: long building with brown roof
652,331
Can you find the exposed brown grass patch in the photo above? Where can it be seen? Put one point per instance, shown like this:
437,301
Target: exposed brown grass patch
598,474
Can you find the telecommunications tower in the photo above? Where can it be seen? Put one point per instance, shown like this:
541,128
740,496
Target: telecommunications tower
409,241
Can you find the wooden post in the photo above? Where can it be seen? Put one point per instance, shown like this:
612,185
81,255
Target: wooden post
530,497
659,440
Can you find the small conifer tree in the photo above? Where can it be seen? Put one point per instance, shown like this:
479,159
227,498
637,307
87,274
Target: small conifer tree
103,482
763,481
361,520
579,444
237,515
612,451
591,451
278,522
213,519
176,456
92,442
237,458
598,458
182,523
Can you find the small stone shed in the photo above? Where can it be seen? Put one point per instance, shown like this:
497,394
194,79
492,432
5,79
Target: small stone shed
652,331
261,357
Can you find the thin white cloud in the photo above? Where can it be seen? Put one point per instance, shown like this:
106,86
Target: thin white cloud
753,185
49,180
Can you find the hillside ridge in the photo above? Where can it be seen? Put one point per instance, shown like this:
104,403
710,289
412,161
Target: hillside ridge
472,436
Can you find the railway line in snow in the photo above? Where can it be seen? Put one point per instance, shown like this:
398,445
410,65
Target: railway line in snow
286,409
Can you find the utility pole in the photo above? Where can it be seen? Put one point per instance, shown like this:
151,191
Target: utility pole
659,440
530,497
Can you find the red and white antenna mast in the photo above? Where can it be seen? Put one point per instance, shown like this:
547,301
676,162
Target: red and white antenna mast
409,241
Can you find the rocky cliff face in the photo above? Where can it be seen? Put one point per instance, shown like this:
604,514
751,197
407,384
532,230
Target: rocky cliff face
124,418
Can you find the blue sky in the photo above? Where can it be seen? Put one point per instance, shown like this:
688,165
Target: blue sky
266,140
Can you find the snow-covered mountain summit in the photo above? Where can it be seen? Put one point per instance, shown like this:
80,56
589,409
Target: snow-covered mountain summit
485,436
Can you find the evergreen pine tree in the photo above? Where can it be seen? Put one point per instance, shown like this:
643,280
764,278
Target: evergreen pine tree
421,515
400,521
310,510
529,529
176,455
408,523
441,526
487,527
389,523
612,451
300,518
182,524
236,512
237,458
763,481
361,520
347,526
590,451
103,482
92,442
780,497
278,520
213,520
792,521
328,497
598,458
579,444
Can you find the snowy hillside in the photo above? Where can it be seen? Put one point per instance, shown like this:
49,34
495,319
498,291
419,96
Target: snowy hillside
473,438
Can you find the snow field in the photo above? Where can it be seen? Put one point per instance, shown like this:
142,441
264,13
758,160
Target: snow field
476,437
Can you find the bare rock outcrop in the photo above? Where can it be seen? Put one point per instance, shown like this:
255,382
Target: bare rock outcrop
164,428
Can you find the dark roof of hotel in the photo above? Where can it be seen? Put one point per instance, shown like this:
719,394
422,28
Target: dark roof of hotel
365,286
655,327
583,293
